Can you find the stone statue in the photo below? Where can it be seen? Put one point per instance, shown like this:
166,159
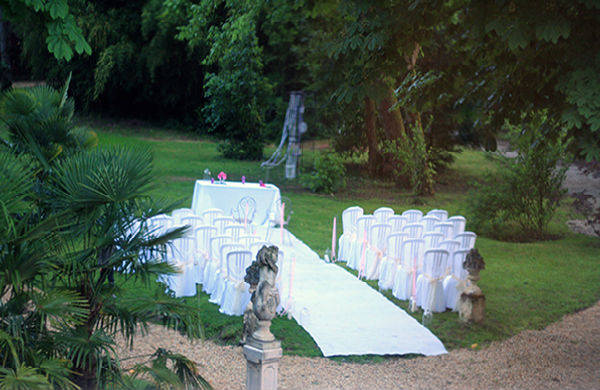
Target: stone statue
261,309
471,306
261,350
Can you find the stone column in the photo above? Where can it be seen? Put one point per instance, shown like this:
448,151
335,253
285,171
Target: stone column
262,362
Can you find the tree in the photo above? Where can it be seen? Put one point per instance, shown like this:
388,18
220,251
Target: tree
53,19
65,233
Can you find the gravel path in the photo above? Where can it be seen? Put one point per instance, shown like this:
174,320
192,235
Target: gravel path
564,355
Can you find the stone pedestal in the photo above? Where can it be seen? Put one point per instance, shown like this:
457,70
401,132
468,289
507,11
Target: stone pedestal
472,305
262,363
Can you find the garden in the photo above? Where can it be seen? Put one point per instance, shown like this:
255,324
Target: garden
140,100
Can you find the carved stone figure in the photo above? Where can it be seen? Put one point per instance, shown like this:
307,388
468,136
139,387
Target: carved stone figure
471,306
261,309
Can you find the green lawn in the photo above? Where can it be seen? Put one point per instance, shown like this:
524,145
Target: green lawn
527,285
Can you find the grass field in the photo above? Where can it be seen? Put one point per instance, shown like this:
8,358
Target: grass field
527,285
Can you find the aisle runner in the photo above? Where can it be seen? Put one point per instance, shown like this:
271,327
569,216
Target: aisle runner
344,315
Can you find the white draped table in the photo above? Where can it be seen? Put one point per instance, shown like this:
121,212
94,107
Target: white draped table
226,196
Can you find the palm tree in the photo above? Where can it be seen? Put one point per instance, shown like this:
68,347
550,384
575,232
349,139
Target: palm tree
63,238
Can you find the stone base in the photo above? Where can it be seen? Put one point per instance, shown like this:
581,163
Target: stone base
471,306
262,360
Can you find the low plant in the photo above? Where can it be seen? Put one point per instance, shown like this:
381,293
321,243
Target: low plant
328,175
518,201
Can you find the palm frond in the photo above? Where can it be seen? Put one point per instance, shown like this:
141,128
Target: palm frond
23,378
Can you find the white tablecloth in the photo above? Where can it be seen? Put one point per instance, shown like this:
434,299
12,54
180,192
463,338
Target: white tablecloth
226,197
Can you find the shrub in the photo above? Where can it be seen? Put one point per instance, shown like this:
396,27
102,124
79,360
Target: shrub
328,175
518,202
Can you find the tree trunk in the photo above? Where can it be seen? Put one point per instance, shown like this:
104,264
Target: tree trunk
375,159
393,124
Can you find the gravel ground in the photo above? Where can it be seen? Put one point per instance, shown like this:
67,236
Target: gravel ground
565,355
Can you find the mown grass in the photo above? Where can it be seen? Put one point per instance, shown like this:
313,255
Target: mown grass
527,285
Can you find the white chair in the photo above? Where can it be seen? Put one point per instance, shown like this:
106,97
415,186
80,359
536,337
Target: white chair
406,273
209,215
244,211
247,239
391,261
363,229
459,222
397,222
213,265
467,239
428,222
194,221
177,214
446,228
203,234
235,231
382,214
221,222
181,283
430,284
349,217
432,239
221,275
376,250
412,215
236,295
414,230
449,245
456,279
160,224
442,215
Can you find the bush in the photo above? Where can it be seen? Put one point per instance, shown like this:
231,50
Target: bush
328,175
518,202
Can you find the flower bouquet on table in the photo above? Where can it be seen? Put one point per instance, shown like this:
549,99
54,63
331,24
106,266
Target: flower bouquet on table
222,176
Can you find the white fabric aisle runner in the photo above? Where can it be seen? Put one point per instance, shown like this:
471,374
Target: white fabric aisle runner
345,316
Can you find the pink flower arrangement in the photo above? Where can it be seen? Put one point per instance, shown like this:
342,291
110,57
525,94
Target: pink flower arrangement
260,183
222,176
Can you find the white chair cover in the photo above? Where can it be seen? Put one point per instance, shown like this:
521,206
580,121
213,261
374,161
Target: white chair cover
234,231
428,222
391,261
432,239
209,216
247,239
349,217
412,215
213,265
467,239
363,225
446,228
203,235
382,214
177,214
397,222
410,258
221,222
376,250
195,221
414,230
442,215
449,245
459,222
430,288
182,283
455,282
236,295
160,224
216,295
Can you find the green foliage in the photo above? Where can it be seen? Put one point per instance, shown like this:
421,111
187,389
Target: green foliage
412,159
60,241
62,33
518,202
328,175
235,85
